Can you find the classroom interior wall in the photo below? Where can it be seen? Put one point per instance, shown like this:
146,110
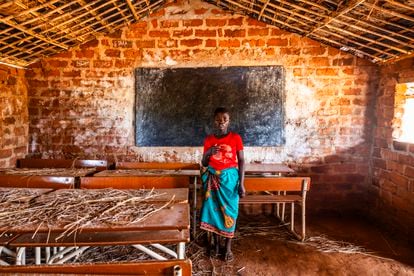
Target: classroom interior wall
392,161
81,102
14,119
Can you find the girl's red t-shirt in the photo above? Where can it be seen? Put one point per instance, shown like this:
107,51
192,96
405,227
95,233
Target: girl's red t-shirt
227,155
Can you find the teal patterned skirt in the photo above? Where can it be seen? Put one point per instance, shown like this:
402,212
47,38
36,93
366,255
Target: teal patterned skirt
221,201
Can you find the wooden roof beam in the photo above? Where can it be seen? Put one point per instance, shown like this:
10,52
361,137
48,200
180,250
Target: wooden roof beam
33,34
132,8
350,6
94,14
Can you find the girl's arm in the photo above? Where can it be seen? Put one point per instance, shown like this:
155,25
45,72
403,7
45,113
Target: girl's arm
240,158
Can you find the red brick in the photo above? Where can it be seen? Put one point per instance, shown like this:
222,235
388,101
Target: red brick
211,43
258,32
57,63
235,21
191,42
290,51
145,44
277,42
85,53
409,171
154,23
399,179
192,23
183,33
278,32
205,33
159,33
113,53
90,44
229,43
130,53
319,61
234,33
200,11
254,22
169,24
124,63
65,54
352,91
102,63
215,22
72,73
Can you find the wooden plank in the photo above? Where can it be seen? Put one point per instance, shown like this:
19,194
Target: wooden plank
264,199
275,183
62,163
179,195
103,238
134,182
149,172
174,217
267,168
35,181
157,165
155,268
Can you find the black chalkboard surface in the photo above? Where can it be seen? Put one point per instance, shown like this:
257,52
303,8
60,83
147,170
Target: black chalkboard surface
174,106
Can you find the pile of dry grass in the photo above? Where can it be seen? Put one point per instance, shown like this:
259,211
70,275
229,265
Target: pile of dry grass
72,210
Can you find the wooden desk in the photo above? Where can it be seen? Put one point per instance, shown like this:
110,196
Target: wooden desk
42,178
260,168
99,165
146,178
169,225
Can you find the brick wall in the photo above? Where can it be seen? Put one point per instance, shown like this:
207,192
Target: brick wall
81,101
393,162
14,121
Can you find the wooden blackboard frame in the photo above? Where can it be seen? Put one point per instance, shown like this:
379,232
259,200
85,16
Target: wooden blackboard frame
174,106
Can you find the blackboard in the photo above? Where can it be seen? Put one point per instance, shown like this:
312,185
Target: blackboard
174,106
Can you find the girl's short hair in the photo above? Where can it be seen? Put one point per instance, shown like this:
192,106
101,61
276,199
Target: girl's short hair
220,110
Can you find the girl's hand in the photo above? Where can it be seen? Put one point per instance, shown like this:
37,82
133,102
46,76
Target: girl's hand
242,191
213,150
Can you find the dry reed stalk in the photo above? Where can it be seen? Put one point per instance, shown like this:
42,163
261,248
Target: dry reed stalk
47,171
73,210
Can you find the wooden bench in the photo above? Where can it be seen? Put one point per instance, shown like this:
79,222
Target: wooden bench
155,268
157,165
100,165
280,190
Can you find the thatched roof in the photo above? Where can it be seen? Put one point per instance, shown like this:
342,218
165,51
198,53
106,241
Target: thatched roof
381,31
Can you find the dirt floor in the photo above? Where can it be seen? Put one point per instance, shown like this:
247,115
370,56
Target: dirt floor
335,245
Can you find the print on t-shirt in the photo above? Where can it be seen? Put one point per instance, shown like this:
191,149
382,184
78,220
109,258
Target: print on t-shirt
224,155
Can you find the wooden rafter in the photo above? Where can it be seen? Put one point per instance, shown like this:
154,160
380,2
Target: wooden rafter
132,8
94,14
350,6
31,33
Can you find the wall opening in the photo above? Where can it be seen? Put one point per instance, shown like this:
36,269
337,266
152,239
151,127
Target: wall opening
403,123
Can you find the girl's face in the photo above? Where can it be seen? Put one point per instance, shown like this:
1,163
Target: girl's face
221,122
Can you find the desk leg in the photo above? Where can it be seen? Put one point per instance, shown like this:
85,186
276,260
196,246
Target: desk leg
38,256
181,250
21,256
47,254
195,208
